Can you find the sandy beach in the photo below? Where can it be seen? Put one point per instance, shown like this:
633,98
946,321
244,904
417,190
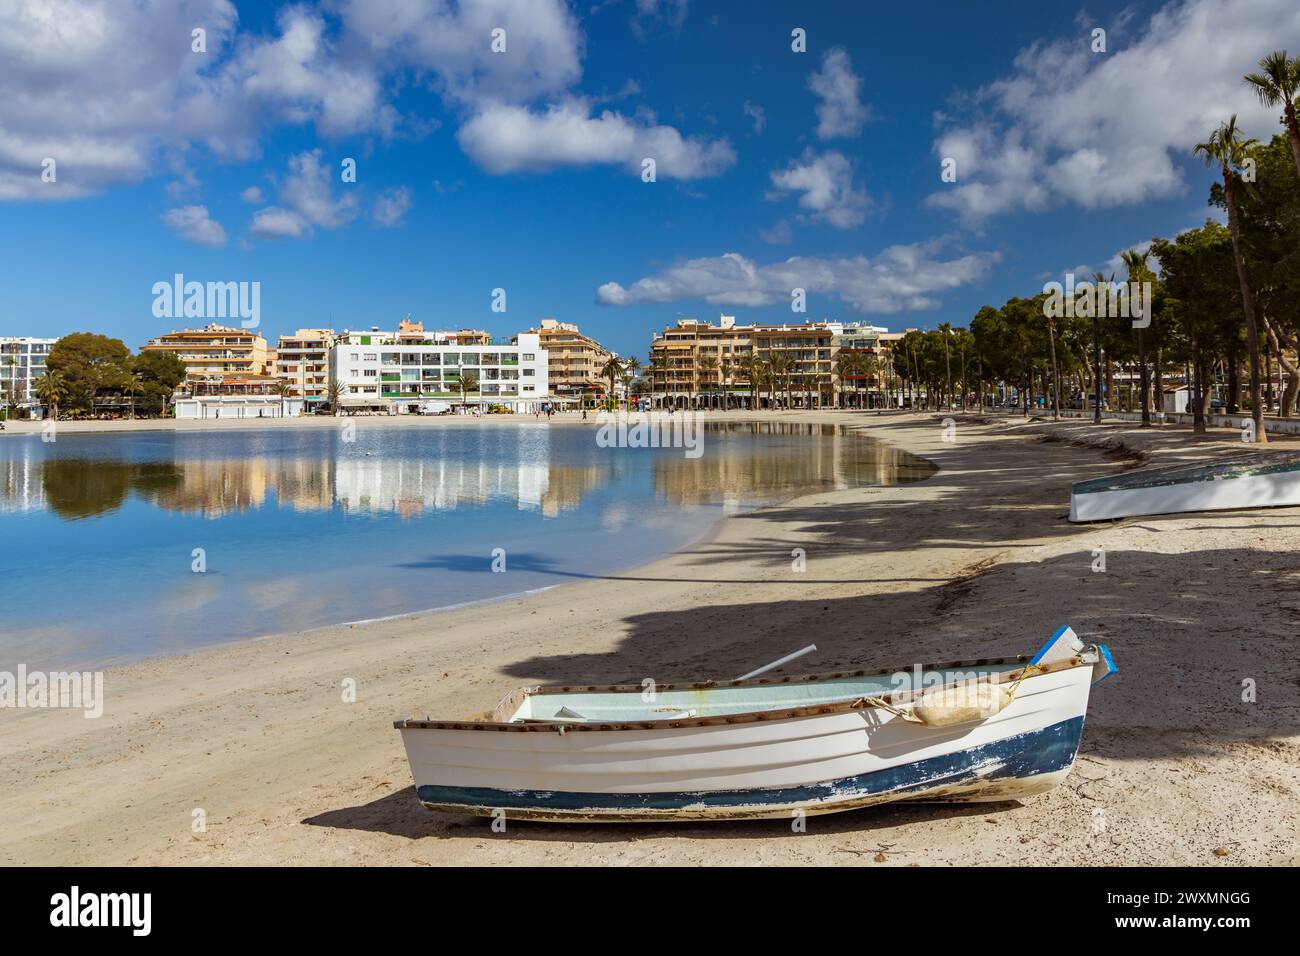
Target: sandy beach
977,561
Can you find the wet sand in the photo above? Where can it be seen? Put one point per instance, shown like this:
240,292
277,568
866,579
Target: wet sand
978,560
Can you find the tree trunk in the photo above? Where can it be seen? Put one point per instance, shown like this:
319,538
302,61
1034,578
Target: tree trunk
1234,382
1056,372
1280,346
1159,396
1198,399
1248,306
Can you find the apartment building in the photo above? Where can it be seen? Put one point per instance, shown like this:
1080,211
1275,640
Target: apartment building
695,364
575,362
22,362
861,386
885,345
801,359
215,351
410,332
302,360
400,373
698,365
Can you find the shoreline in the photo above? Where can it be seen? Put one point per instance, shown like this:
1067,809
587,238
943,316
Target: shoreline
255,734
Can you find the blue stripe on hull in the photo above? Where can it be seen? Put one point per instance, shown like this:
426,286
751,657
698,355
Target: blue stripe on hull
1043,751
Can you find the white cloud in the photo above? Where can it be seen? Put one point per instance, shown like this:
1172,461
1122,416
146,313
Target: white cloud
672,12
509,139
757,114
392,206
779,235
252,195
193,225
1101,130
841,111
107,90
306,201
899,279
826,182
273,222
301,76
543,44
97,88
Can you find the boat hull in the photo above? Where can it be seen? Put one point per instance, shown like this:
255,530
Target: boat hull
1129,497
820,763
1019,766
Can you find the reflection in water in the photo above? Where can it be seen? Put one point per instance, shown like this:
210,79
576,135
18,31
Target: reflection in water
300,529
365,480
837,459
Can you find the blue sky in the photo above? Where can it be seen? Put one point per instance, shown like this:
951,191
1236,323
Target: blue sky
521,170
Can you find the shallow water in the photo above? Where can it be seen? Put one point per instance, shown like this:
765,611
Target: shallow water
122,546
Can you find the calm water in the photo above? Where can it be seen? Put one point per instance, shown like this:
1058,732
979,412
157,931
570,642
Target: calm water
300,528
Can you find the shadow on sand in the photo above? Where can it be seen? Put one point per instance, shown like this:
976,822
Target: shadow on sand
1187,628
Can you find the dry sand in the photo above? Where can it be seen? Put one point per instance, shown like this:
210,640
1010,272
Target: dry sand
978,560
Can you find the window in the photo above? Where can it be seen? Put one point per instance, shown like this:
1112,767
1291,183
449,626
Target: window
369,357
529,357
530,371
369,373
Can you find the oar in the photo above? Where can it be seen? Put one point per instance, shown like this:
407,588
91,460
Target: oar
779,662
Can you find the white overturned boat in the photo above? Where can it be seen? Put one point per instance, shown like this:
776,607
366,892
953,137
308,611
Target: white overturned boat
966,731
1259,480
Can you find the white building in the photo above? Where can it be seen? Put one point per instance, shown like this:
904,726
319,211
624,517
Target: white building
404,375
22,362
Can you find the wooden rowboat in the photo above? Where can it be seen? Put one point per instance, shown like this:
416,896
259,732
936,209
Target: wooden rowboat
979,730
1271,479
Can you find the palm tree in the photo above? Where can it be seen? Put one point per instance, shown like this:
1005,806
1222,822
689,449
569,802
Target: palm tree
747,366
869,368
284,390
1230,152
468,383
1278,84
1056,371
1136,263
11,385
846,366
763,378
781,364
708,366
336,391
945,329
611,370
49,389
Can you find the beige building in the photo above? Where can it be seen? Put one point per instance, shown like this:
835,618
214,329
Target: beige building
698,365
694,361
215,351
575,361
303,360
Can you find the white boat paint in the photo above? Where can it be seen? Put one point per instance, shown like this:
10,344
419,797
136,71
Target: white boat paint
1248,481
825,751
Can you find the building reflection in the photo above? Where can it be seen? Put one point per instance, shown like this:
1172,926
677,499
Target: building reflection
357,481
